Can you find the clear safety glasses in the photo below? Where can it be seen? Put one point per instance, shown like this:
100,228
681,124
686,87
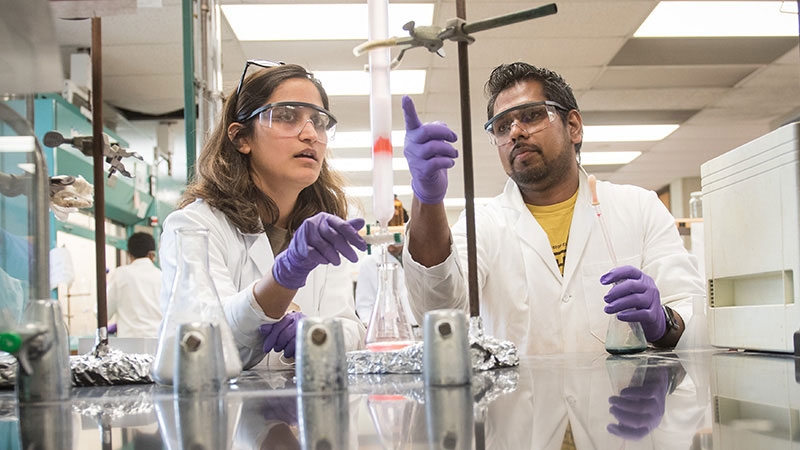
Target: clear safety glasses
256,62
529,118
288,119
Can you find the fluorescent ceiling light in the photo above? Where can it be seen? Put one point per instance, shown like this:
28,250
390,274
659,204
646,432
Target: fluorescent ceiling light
10,144
366,191
363,139
604,158
27,167
304,22
357,82
363,164
626,133
462,202
717,19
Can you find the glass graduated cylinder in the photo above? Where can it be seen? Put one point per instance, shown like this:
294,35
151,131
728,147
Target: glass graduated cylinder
389,328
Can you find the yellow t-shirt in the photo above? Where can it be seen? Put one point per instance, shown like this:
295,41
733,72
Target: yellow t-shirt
556,220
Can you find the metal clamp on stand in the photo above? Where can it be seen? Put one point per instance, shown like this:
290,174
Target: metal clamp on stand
321,365
199,361
445,353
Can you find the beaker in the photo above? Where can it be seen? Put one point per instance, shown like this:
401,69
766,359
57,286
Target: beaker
389,328
193,299
624,337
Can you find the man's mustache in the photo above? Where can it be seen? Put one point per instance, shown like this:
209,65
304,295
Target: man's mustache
523,148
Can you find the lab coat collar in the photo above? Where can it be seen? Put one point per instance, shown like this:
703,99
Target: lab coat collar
581,228
259,251
528,230
532,235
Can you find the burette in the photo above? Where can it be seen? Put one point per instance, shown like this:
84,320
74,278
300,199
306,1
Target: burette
380,107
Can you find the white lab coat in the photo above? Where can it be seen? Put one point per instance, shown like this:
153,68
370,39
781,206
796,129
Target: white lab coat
237,260
367,288
133,292
523,296
548,396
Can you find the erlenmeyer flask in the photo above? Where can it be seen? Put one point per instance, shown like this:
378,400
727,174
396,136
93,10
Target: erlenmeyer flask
193,299
393,417
388,328
624,337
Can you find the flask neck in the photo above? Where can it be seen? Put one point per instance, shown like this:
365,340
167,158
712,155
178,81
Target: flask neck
387,277
192,251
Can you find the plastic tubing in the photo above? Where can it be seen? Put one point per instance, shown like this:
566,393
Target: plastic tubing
380,106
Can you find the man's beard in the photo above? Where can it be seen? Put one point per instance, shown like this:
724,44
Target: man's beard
552,169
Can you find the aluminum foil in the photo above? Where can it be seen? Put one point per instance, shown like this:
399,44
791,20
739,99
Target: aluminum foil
114,403
8,371
115,367
486,352
486,387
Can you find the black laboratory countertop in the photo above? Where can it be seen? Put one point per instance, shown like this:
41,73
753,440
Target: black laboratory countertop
689,400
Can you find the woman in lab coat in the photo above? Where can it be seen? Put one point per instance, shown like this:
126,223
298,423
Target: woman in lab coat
275,214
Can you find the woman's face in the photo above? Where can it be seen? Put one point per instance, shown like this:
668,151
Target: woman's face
281,161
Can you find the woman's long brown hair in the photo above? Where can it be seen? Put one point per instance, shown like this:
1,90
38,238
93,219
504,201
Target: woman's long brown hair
223,175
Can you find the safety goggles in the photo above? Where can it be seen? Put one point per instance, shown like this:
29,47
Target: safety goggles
288,119
256,62
528,117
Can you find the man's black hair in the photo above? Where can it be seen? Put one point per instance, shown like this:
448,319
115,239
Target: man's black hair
554,86
140,244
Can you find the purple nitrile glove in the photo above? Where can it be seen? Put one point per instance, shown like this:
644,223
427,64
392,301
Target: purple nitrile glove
285,341
639,409
429,155
112,329
279,335
636,295
319,240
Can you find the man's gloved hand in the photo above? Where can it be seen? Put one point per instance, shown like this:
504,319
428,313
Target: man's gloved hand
319,240
639,409
279,336
429,155
636,295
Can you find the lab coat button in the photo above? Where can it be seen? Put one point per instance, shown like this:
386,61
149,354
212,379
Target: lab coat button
566,298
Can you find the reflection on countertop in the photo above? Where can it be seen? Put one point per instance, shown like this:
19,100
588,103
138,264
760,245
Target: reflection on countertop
654,400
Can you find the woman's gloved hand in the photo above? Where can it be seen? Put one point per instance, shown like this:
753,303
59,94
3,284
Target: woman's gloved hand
319,240
429,155
636,295
280,336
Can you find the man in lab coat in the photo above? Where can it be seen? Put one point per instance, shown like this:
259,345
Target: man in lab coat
133,290
545,274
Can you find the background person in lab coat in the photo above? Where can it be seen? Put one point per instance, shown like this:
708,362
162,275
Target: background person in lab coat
133,290
275,214
544,270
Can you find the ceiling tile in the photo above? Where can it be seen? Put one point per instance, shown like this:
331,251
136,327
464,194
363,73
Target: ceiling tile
672,76
636,117
649,99
694,51
547,52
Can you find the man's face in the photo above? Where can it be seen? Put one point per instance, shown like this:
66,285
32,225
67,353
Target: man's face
541,159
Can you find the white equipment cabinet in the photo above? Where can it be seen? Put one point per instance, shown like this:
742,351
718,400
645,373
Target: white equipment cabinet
752,234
